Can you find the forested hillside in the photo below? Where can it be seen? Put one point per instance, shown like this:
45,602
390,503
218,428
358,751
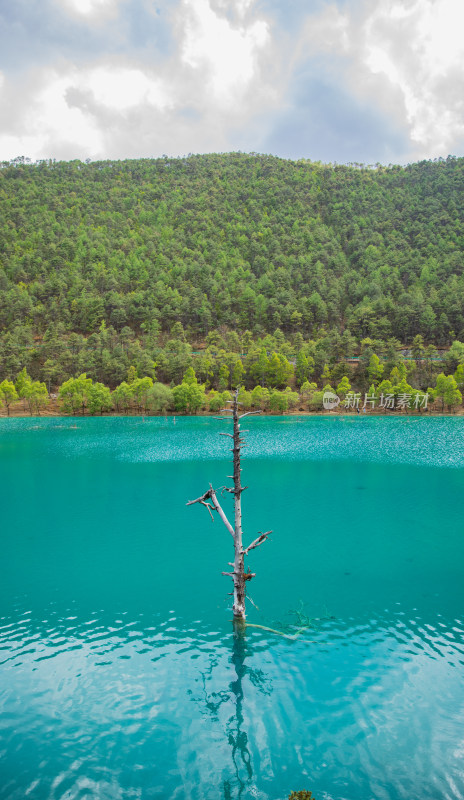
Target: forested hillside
109,265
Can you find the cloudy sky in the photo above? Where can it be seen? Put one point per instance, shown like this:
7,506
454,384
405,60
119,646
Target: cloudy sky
330,80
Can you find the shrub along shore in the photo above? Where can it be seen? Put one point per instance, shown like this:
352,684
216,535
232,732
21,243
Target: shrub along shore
145,396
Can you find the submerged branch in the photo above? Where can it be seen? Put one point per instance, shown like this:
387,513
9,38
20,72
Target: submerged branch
292,636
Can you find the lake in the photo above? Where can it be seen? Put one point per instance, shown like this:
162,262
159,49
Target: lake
120,674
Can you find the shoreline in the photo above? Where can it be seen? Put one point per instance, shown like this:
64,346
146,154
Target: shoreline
17,411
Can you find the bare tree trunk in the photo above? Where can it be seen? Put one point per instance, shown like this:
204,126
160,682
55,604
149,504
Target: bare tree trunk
239,576
239,561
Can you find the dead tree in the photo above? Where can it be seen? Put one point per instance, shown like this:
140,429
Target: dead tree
209,499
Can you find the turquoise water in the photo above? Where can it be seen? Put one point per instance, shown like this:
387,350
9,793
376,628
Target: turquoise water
120,676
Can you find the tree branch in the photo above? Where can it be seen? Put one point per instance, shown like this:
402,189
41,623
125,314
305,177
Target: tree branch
226,489
247,414
218,508
261,538
211,495
210,509
201,499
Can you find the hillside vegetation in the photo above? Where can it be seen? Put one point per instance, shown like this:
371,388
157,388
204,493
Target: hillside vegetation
212,261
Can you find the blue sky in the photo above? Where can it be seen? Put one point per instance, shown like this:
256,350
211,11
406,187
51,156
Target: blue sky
343,81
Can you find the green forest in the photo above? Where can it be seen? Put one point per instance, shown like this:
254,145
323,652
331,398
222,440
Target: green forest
210,271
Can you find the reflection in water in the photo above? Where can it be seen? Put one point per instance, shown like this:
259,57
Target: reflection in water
236,735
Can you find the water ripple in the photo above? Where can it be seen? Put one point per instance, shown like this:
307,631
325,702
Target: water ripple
341,706
120,676
420,440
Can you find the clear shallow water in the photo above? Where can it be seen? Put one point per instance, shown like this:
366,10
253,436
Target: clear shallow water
119,673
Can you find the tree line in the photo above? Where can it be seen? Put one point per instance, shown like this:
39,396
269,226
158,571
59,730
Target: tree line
144,395
118,263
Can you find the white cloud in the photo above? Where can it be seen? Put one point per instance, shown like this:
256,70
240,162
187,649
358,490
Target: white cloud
58,117
324,32
90,8
405,57
440,26
45,123
73,111
243,6
121,88
230,74
225,55
238,7
197,99
431,52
